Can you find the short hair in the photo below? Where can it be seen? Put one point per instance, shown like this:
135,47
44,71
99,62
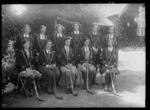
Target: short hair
68,38
95,24
42,26
85,39
77,23
25,41
60,25
48,42
26,25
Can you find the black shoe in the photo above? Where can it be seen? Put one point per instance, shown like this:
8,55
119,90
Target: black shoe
84,87
30,93
57,84
68,91
90,87
50,92
93,83
97,84
117,72
109,89
106,90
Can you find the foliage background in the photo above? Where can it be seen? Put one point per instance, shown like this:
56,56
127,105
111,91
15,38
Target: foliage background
85,14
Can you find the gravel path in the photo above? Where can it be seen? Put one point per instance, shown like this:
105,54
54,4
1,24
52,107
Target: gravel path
130,85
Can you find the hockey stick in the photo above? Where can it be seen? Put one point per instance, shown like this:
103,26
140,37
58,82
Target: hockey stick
75,94
37,95
88,90
55,90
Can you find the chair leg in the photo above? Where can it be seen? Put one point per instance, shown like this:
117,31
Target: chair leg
23,81
43,87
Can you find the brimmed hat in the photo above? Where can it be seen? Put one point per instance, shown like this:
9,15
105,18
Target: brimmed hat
60,25
25,41
42,26
49,41
68,38
85,39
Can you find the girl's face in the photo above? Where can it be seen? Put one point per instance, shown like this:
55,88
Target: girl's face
48,45
43,30
27,29
76,27
59,29
27,45
67,42
95,28
87,42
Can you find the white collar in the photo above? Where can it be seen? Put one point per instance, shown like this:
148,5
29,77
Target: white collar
26,50
26,35
76,32
59,34
42,36
66,47
110,48
47,50
95,33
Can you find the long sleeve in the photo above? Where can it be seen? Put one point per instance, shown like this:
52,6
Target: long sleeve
19,61
54,58
73,58
115,58
41,58
80,56
61,58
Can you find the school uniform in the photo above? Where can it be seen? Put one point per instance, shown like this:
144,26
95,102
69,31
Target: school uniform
48,57
95,39
23,37
24,61
66,57
77,42
59,39
87,53
39,42
114,38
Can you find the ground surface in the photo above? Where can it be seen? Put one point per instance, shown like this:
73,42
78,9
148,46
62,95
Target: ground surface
130,85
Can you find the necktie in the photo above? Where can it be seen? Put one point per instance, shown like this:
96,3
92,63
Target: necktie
27,52
67,50
59,35
94,33
42,37
76,32
109,53
26,35
87,52
48,52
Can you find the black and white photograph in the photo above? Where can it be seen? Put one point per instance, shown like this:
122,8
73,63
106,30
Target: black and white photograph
73,55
